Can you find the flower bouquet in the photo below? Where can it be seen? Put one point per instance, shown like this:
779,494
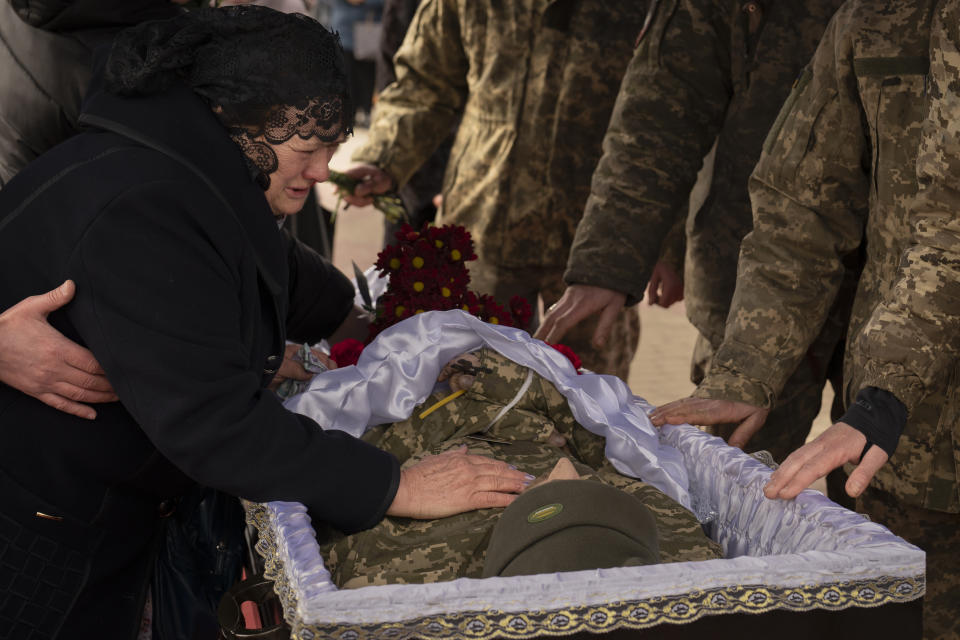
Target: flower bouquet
428,272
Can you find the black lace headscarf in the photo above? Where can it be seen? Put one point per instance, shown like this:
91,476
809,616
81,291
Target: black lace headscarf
268,75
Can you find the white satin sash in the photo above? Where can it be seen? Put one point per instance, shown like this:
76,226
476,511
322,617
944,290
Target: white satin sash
399,369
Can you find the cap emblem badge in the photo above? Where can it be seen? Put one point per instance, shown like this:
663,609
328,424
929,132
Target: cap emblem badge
544,513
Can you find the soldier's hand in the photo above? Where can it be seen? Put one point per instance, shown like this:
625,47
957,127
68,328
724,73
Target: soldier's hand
455,482
836,446
704,411
665,287
38,360
578,302
373,181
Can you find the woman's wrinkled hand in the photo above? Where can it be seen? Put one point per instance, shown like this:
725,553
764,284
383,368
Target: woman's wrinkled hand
291,369
455,482
38,360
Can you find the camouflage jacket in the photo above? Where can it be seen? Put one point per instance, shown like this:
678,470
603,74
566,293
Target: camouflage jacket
840,166
535,82
923,310
704,68
401,550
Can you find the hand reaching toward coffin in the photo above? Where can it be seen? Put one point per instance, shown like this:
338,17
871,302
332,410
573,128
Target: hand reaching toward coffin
455,482
578,303
38,360
704,411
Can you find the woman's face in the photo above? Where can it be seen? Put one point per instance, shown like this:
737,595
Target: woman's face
300,165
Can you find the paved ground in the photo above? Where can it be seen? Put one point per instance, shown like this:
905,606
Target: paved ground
659,372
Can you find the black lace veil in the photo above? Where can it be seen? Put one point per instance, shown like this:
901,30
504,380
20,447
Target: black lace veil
268,75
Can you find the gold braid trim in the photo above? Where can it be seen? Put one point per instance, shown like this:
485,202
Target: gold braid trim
266,546
639,614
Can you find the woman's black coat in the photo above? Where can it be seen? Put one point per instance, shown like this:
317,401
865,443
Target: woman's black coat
183,283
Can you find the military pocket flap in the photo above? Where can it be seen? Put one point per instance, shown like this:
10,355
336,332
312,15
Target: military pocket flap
901,66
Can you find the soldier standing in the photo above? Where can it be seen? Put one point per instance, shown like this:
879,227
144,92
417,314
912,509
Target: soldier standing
842,164
705,70
534,83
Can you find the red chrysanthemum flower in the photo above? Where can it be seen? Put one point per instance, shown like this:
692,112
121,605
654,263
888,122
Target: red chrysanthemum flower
414,282
405,234
395,307
470,303
492,312
389,260
460,245
454,278
346,352
521,310
427,272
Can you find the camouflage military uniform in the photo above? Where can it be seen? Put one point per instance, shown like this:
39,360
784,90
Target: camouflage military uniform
840,165
705,70
535,82
401,550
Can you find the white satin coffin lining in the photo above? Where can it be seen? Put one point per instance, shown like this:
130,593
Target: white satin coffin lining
807,541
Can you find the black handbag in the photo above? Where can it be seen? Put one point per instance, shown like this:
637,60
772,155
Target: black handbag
200,558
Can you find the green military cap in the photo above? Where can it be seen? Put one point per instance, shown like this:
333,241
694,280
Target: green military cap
571,525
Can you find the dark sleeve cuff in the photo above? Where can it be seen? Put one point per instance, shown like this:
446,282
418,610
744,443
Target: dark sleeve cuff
388,497
361,482
878,415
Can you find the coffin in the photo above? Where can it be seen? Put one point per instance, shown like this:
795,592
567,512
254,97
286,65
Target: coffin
791,567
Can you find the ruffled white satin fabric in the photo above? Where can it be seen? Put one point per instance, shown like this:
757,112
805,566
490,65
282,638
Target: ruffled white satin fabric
399,369
803,542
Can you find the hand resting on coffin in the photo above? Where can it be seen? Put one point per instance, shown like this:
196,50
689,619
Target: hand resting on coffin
455,482
706,411
836,446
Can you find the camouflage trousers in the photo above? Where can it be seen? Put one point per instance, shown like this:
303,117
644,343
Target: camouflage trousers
404,551
938,534
547,284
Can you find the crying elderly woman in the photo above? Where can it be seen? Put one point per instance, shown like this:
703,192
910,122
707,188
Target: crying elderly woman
200,133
